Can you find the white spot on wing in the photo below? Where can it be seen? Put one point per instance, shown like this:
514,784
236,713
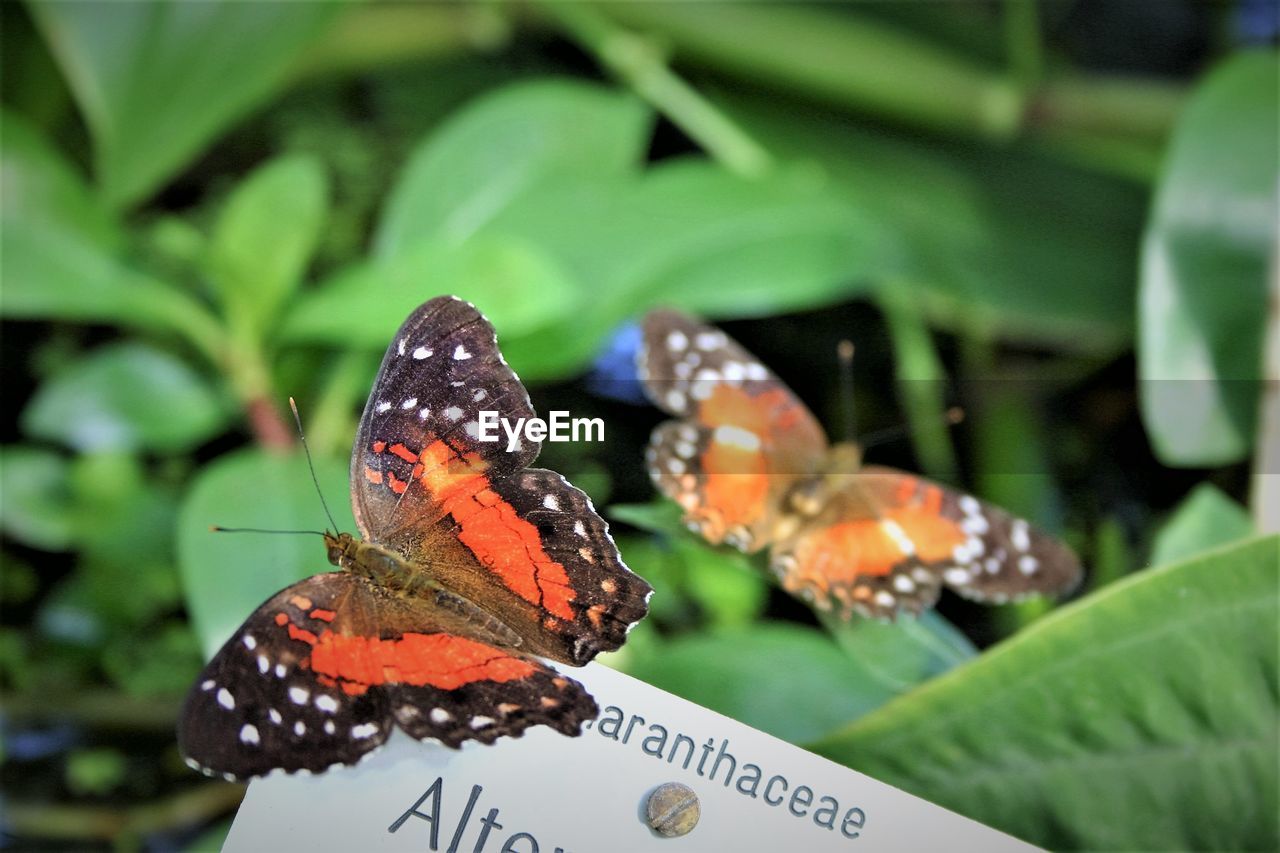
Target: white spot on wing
409,404
225,699
326,703
479,722
249,733
384,406
275,716
422,352
1019,535
736,436
207,685
899,536
299,728
461,354
249,642
453,413
1028,564
364,730
299,695
551,502
440,715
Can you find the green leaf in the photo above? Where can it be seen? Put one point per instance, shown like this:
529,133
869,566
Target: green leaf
1205,519
44,190
970,227
37,509
60,248
95,771
501,146
265,237
227,575
157,82
677,234
789,681
1143,717
364,305
126,397
1203,298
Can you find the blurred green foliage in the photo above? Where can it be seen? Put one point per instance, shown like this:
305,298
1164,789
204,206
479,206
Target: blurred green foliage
210,207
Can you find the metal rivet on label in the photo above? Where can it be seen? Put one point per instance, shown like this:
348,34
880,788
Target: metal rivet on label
673,810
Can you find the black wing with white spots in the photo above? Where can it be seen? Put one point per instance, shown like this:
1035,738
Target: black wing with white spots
321,671
441,370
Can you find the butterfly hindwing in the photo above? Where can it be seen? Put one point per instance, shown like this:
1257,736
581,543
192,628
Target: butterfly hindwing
258,704
321,671
889,541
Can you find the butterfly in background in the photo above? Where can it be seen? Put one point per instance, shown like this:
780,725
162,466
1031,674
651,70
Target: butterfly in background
752,468
471,566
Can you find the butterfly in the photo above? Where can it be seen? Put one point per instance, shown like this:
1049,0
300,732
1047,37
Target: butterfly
470,565
752,468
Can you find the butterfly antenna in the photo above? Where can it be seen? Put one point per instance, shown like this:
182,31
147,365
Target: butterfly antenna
217,529
953,416
297,419
844,353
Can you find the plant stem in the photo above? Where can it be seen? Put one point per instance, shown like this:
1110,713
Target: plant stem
858,64
1025,52
639,64
921,380
101,823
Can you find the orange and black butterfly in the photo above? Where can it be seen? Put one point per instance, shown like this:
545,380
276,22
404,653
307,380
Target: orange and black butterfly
752,468
472,565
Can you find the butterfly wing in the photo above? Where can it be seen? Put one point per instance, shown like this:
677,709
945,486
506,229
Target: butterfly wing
522,543
422,419
742,441
323,669
889,541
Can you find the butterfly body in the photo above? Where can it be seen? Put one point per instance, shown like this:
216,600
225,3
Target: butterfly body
469,566
752,468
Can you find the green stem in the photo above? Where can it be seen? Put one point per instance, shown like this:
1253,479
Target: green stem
1022,42
190,807
329,422
374,35
862,65
637,62
921,381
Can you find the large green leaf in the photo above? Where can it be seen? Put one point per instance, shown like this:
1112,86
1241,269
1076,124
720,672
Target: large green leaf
1017,245
1203,299
790,681
365,304
42,189
688,233
60,248
158,81
265,237
126,397
502,145
227,575
1143,717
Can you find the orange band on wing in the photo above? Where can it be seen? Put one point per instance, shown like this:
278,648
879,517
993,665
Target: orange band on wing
501,540
864,547
436,660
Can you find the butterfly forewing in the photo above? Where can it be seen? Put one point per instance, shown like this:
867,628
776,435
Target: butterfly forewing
422,420
743,438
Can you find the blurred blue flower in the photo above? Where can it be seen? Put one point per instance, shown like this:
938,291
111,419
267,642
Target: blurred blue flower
613,375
